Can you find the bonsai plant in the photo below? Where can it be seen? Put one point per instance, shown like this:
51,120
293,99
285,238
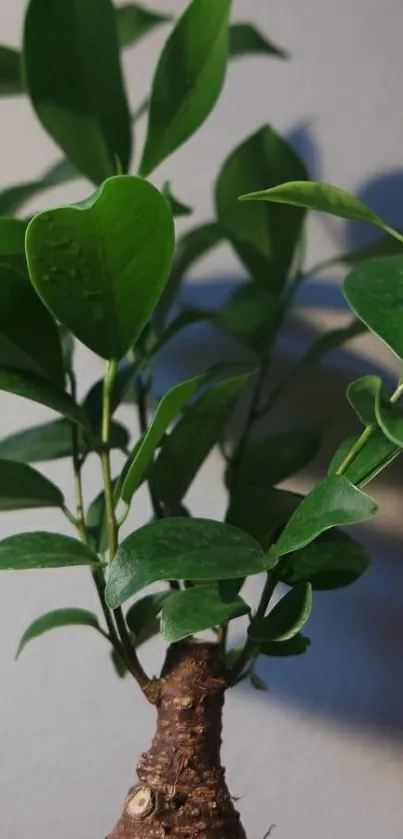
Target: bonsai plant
106,272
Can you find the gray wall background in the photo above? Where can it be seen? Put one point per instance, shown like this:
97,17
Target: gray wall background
321,753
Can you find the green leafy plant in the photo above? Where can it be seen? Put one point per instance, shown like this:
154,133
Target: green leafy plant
107,272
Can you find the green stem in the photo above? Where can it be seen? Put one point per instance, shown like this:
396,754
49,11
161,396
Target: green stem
251,649
252,415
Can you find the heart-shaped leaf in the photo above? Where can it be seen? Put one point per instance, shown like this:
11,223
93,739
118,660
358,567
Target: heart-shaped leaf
182,548
53,440
245,39
287,617
58,619
81,101
40,390
22,487
374,290
188,79
104,287
28,551
334,560
11,81
135,21
197,609
169,408
263,236
375,456
35,350
334,501
323,197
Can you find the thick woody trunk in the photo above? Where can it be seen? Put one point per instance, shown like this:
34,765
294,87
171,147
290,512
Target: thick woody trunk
182,792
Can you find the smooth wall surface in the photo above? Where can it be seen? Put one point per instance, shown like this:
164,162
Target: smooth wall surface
320,755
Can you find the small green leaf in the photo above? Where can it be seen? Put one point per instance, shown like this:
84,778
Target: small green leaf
197,609
361,395
28,551
178,208
261,511
269,461
389,418
334,560
22,487
188,79
245,39
257,682
326,198
141,618
182,548
169,408
282,649
250,316
287,617
119,665
56,620
11,81
371,403
39,390
135,21
334,501
104,288
81,103
263,236
22,347
13,197
377,453
53,440
374,290
185,449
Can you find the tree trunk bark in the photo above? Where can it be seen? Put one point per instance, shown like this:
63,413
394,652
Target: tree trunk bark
182,792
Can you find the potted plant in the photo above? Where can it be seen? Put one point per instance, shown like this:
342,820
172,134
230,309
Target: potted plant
106,272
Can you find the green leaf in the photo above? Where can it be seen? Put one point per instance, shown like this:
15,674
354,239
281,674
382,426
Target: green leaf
188,79
245,39
361,395
281,649
334,501
257,682
28,551
188,445
269,461
263,236
326,198
370,400
169,408
261,511
286,618
39,390
56,620
13,197
36,350
142,617
119,665
182,549
250,316
377,453
22,487
135,21
104,288
12,237
196,609
81,101
177,207
374,290
11,81
52,441
334,560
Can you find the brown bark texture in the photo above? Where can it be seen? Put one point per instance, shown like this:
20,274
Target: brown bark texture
181,791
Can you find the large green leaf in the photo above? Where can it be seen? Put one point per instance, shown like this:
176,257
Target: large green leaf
196,609
263,236
74,79
22,487
245,39
377,453
182,548
334,501
40,390
334,560
312,195
57,619
188,79
287,617
143,616
53,440
135,21
374,291
250,316
29,338
269,461
169,408
103,287
261,511
11,81
13,197
188,445
28,551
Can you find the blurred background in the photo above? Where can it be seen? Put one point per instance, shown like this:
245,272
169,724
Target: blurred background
320,755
